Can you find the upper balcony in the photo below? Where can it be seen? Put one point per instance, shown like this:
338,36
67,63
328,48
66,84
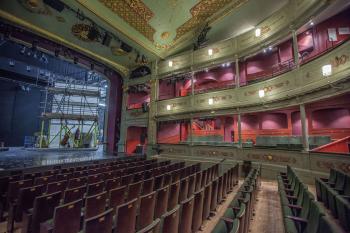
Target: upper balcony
271,73
321,72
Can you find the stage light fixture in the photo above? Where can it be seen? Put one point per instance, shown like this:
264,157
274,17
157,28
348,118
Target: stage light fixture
23,50
168,107
210,52
210,101
170,63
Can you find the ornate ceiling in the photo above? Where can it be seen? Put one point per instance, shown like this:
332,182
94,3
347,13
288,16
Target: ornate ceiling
165,27
155,28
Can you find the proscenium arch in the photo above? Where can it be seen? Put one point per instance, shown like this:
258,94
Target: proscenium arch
114,78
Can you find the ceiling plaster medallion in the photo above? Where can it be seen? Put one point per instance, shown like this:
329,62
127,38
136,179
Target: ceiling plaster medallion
81,31
165,35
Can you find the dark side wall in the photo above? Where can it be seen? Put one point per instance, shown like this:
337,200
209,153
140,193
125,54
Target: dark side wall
19,112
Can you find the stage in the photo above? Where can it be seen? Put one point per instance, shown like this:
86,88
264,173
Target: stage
18,157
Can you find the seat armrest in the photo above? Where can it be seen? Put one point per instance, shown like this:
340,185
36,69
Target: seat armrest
46,227
228,220
234,207
346,197
295,206
26,220
297,219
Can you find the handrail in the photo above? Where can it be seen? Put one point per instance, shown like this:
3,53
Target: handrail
320,148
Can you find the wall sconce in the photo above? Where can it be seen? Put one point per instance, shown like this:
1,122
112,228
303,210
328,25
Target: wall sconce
327,70
170,64
261,93
210,52
168,107
210,101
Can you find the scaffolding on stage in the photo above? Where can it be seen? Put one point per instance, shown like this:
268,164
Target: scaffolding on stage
70,116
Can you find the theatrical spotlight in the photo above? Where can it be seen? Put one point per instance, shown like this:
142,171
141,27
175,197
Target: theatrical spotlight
11,63
137,58
23,50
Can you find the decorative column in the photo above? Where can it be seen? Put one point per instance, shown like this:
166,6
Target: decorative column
237,78
191,133
123,125
192,83
152,113
304,128
113,121
295,48
239,130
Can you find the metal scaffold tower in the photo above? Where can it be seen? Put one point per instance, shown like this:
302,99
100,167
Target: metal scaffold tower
70,116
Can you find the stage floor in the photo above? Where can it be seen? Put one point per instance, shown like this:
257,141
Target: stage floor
18,157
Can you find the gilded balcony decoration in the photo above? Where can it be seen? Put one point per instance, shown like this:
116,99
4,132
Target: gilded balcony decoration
81,31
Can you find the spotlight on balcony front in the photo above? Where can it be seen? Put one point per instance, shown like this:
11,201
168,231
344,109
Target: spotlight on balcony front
210,52
168,107
261,93
210,101
170,64
257,32
327,70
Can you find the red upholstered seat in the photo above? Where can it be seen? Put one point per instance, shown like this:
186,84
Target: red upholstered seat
126,217
101,223
186,215
146,210
66,219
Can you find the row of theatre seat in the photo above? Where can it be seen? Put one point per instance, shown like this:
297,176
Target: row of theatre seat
237,217
124,196
301,212
334,192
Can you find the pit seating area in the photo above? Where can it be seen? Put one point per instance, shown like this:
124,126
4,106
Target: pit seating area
334,193
301,212
238,215
121,196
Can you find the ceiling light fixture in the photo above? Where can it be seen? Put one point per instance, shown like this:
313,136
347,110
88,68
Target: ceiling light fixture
258,32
